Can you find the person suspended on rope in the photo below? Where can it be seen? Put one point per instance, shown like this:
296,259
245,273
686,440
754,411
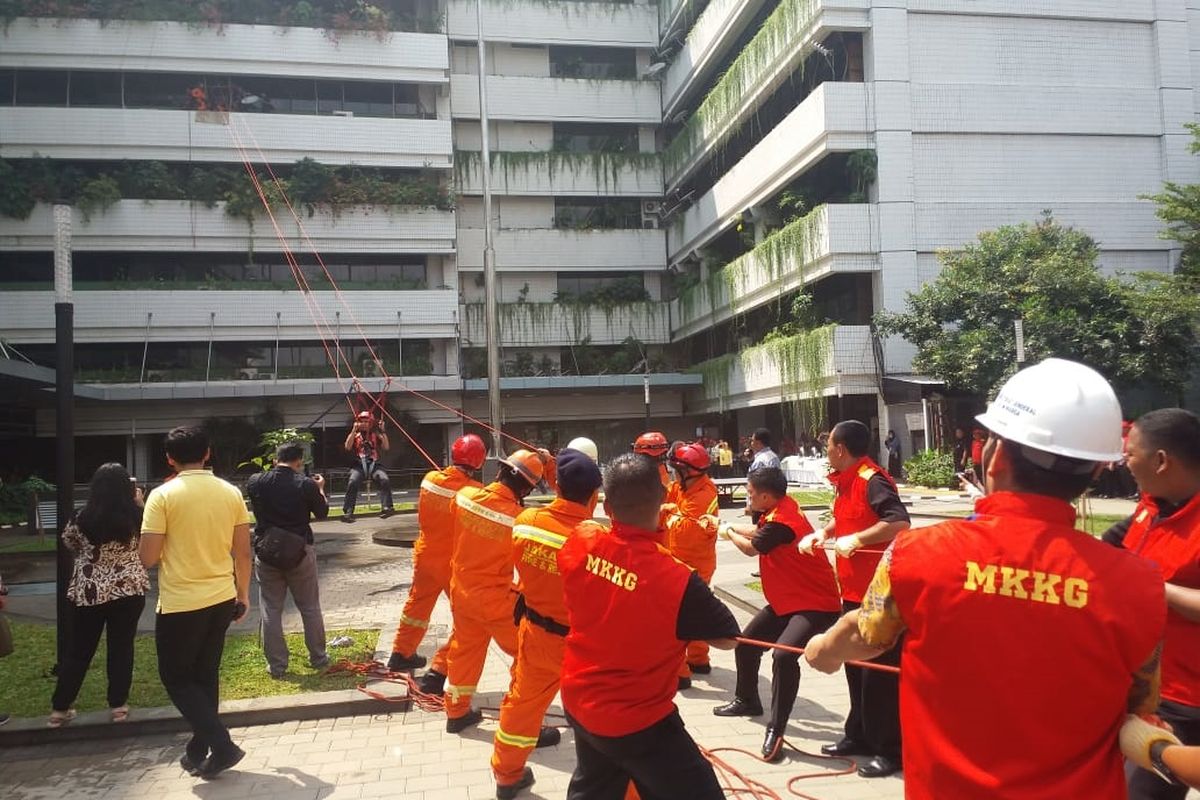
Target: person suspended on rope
431,558
1026,642
367,442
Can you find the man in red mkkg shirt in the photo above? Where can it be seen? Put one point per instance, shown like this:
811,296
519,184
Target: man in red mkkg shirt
1026,641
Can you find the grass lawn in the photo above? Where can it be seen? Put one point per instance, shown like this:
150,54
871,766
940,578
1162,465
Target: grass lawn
25,688
1099,523
24,543
755,586
812,497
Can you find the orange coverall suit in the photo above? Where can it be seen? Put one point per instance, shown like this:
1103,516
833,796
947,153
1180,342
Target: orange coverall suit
431,559
693,542
536,538
481,590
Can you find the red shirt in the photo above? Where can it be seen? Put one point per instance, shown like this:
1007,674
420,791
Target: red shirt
1023,637
621,664
1172,544
794,581
852,514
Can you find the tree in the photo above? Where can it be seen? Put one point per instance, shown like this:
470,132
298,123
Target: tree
1137,331
1179,207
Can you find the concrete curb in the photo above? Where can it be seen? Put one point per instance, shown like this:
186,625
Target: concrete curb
741,596
234,713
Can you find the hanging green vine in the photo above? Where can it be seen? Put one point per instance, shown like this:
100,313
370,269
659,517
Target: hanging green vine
605,167
792,248
777,36
535,322
715,373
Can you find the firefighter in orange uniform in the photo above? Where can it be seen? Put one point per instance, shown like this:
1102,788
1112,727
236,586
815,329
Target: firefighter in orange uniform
1027,641
1163,455
867,513
482,596
538,535
690,538
655,445
431,557
631,608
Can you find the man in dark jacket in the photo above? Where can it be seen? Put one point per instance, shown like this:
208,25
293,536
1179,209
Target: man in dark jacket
284,499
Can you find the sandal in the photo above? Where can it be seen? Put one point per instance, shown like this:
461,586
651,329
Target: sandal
60,718
120,714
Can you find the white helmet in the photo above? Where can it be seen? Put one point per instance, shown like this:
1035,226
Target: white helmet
1059,407
585,446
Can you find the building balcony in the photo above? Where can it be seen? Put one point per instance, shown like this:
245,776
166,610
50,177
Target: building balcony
558,173
190,315
145,134
821,363
559,22
551,250
166,225
705,47
84,44
834,118
193,386
563,324
784,40
832,238
544,99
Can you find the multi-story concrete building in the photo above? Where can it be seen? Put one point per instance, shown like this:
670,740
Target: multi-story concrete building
668,179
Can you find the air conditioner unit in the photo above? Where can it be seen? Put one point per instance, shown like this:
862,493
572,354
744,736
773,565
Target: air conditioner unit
651,207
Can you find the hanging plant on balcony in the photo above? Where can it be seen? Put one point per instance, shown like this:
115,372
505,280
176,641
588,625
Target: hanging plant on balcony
711,123
802,360
605,167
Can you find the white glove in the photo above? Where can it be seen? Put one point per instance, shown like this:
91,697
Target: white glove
810,541
1137,734
846,545
724,530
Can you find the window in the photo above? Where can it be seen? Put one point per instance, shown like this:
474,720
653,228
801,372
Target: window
329,96
8,78
593,63
369,99
408,100
96,89
586,285
276,95
584,213
42,87
166,90
584,137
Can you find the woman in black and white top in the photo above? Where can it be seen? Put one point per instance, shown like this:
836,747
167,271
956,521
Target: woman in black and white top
108,590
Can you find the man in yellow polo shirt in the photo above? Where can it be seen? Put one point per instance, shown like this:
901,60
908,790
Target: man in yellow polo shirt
197,530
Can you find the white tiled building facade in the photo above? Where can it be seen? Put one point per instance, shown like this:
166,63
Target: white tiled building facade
978,114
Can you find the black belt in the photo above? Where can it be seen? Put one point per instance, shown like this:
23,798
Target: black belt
545,623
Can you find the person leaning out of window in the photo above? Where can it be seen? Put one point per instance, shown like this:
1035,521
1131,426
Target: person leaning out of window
107,591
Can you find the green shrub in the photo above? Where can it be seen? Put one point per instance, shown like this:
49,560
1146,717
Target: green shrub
932,468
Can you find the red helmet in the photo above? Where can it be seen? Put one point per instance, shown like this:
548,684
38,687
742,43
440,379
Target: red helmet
468,451
691,455
651,443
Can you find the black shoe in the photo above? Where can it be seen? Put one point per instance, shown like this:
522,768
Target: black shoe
548,737
460,724
845,747
387,512
276,675
510,790
879,767
4,718
684,683
398,662
755,574
772,749
738,708
347,518
432,682
189,765
700,669
215,764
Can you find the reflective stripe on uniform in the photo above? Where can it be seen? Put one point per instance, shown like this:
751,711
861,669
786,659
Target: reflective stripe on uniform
415,623
713,507
513,740
441,491
540,535
458,692
480,510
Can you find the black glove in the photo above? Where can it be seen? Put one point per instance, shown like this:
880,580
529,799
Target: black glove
519,609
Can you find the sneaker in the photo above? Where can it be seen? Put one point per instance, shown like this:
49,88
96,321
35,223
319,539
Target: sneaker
398,662
507,791
189,765
460,724
387,512
347,518
217,763
322,663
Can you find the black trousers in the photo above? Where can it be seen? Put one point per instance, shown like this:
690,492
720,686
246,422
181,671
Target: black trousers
120,618
662,761
190,644
358,475
1145,785
793,630
874,718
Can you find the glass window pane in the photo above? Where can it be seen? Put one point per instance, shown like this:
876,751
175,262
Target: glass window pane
369,99
278,95
42,87
329,96
408,100
96,89
165,90
7,83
